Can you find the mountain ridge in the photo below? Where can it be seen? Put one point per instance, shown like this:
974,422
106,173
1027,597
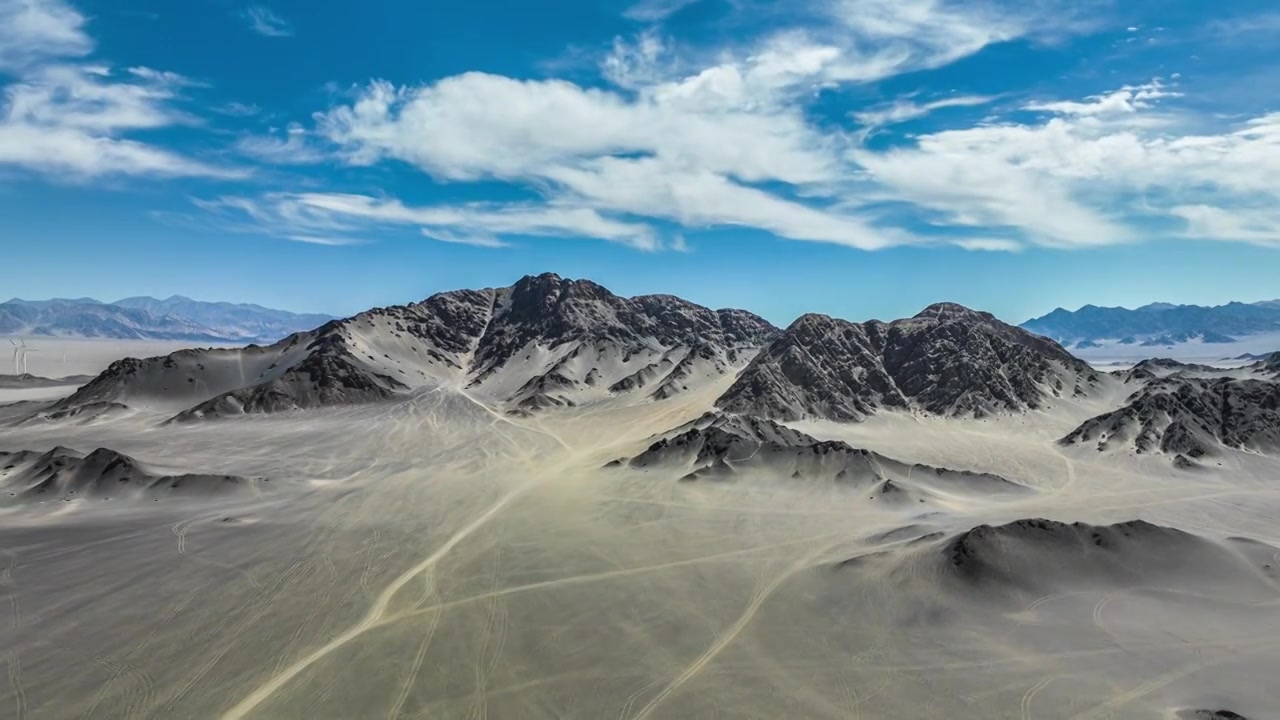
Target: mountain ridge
1157,324
544,341
946,360
146,318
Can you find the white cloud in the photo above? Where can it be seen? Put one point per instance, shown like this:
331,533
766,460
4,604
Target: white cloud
238,109
1232,28
1128,99
883,38
1256,225
326,241
656,10
71,154
989,244
266,22
471,237
339,216
1095,172
292,146
32,31
905,109
66,118
678,151
88,99
725,139
163,78
724,143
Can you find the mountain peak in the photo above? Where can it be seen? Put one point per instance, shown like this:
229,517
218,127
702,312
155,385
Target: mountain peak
947,311
947,360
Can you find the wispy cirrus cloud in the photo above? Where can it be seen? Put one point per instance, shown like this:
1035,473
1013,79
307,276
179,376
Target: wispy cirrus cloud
656,10
1096,171
237,109
906,109
344,218
68,118
291,145
266,22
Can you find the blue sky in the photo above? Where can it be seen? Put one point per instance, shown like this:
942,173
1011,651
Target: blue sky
861,158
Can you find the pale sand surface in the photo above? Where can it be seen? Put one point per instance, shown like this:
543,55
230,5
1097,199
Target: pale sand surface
435,559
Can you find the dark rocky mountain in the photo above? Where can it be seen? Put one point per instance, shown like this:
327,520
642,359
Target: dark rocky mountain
1157,324
64,474
1155,368
545,341
615,344
720,446
1268,365
947,360
1189,418
144,318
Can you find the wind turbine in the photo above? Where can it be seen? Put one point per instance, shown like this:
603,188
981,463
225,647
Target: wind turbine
26,350
17,363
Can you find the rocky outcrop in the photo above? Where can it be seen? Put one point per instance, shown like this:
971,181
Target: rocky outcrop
721,446
947,360
64,474
1188,418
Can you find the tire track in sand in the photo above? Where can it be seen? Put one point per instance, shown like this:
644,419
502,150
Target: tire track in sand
1031,693
726,638
376,612
15,681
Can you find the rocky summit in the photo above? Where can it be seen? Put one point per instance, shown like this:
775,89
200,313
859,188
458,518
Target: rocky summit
947,360
1188,418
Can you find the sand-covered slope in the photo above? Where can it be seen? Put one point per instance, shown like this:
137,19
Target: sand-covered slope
721,446
1042,556
65,474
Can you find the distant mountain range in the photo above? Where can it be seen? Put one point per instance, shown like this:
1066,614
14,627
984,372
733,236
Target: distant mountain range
146,318
1157,324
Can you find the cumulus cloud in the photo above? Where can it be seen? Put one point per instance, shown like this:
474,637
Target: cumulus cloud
65,117
685,152
671,139
690,140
